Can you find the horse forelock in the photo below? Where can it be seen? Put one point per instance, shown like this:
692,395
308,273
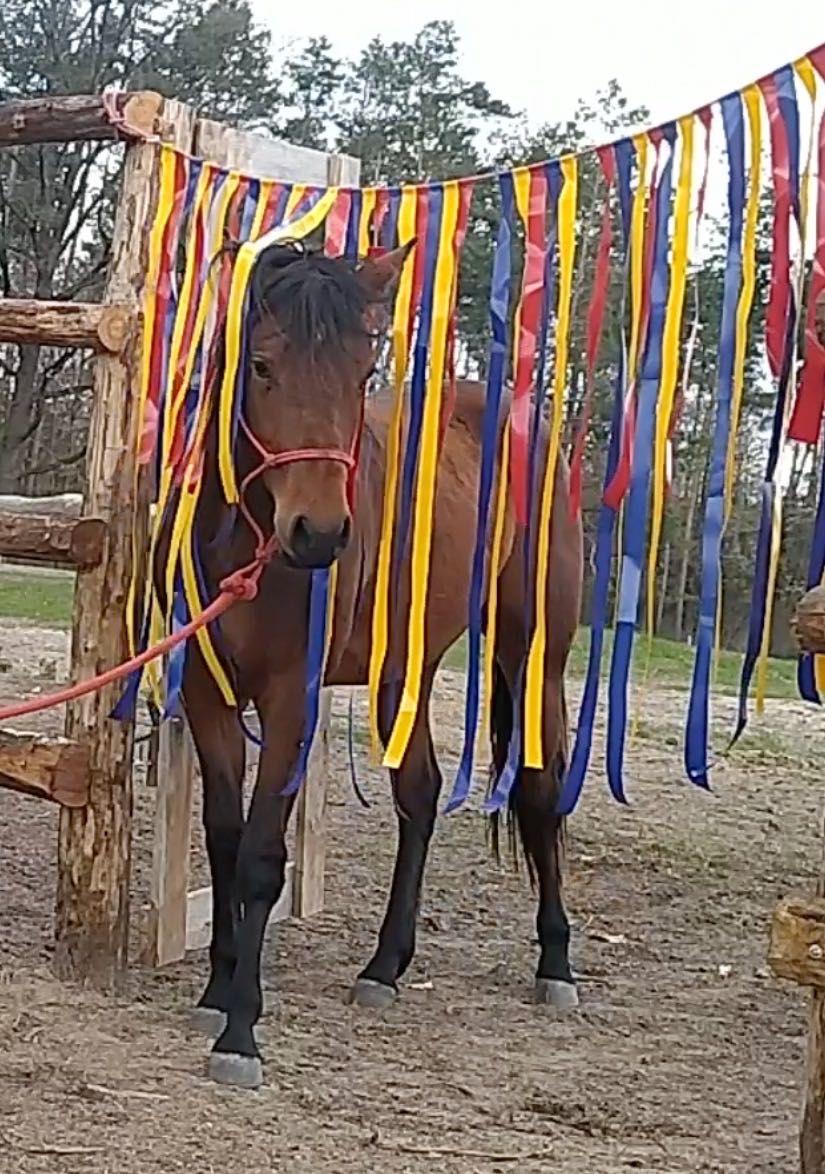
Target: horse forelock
315,302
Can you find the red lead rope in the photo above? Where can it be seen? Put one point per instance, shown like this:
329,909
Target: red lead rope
241,584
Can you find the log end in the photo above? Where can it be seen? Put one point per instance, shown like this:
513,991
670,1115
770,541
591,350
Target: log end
141,112
114,328
797,942
87,542
808,621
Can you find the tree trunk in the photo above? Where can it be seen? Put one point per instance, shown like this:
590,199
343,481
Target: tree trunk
19,420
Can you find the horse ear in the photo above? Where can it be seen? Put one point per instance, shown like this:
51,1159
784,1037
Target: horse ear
380,275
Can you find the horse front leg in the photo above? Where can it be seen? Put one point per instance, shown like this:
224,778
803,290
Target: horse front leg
259,880
416,786
221,753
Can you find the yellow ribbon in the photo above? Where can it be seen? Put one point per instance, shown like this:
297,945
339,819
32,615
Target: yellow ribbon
670,354
244,263
401,346
534,688
368,199
425,482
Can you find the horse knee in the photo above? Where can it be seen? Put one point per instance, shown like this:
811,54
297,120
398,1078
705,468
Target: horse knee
261,871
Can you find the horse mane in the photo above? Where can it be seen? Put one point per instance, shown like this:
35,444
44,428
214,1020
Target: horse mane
315,301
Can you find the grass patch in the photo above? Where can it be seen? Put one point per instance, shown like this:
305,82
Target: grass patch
45,600
670,665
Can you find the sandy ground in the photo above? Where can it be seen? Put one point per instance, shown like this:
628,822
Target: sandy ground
686,1056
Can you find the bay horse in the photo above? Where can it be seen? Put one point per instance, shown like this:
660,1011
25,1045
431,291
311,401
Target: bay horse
313,342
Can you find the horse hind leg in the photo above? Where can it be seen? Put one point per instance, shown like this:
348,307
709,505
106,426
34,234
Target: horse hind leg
531,817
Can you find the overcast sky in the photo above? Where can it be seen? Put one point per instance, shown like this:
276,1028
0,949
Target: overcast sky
541,55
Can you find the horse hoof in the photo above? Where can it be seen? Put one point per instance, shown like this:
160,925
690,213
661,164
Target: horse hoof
376,996
209,1021
553,992
236,1070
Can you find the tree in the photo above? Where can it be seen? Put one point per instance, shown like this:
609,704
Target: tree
56,201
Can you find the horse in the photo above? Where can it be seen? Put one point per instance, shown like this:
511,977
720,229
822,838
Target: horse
315,331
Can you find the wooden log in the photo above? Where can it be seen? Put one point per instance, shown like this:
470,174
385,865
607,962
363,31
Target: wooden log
165,939
48,768
79,324
50,530
808,621
75,118
797,943
94,847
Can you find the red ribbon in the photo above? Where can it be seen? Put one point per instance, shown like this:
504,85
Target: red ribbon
806,419
336,225
779,300
595,322
532,288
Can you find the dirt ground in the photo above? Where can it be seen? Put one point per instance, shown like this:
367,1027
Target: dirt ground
685,1057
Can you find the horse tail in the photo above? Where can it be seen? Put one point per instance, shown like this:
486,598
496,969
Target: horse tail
530,814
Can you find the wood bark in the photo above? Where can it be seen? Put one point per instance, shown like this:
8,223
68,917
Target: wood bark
50,530
49,768
78,324
92,922
74,118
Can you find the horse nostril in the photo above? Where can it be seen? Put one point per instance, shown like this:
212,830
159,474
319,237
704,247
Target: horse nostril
312,547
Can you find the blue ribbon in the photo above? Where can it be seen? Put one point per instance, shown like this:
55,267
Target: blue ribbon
499,307
789,110
580,758
353,225
418,384
316,647
696,732
635,529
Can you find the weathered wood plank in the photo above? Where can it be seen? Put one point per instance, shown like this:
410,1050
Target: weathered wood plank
74,118
199,912
266,157
50,529
166,941
75,324
48,768
94,851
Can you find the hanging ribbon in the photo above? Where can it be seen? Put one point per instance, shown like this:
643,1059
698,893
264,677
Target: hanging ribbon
426,480
635,527
696,737
622,164
534,681
499,309
406,218
595,322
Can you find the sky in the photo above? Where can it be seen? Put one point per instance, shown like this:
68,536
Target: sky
540,56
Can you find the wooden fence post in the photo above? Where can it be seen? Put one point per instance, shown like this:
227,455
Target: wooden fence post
94,851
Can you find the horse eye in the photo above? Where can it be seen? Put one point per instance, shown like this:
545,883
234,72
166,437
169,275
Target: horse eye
260,367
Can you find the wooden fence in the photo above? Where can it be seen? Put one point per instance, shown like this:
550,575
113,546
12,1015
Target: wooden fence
89,771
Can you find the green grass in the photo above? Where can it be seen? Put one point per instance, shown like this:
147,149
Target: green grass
670,665
38,599
47,600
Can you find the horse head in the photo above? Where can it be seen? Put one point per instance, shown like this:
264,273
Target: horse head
315,328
